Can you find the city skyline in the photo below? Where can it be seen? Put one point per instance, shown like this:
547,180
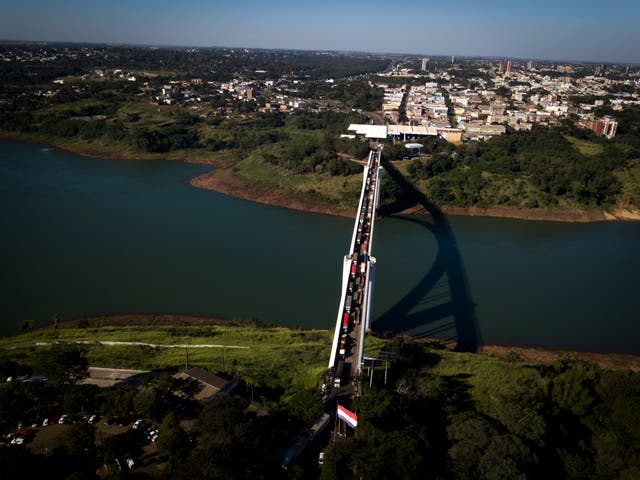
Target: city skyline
557,31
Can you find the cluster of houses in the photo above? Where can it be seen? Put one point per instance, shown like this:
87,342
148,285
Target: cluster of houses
483,106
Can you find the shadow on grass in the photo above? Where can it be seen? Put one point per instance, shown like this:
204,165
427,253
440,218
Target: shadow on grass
453,316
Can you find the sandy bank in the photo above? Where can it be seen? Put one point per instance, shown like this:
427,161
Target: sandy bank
608,361
221,180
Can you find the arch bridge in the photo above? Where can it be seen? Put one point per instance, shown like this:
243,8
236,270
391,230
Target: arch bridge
358,278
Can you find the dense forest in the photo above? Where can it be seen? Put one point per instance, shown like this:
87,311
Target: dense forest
355,94
547,168
216,64
464,418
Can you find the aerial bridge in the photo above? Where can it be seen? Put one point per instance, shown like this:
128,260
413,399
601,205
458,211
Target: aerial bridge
358,277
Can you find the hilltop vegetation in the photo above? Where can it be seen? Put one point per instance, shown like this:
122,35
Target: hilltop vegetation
273,119
301,153
464,416
543,168
440,415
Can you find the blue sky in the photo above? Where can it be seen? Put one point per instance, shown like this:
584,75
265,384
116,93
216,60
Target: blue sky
558,30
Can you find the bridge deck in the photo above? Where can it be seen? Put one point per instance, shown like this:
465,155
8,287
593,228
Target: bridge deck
358,274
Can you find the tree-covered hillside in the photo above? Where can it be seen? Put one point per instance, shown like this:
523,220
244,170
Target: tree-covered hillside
441,414
469,416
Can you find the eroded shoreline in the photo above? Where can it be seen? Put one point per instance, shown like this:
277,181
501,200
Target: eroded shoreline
221,180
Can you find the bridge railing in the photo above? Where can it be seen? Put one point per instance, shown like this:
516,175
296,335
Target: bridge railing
370,193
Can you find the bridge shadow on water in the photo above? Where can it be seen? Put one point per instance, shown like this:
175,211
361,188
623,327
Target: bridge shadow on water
440,305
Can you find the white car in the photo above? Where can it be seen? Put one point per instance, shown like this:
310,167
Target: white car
17,441
63,419
45,422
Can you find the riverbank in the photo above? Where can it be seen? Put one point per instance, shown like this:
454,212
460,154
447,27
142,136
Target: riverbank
96,150
222,180
540,355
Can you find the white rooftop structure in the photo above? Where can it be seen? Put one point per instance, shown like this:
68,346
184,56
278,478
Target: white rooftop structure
369,131
412,130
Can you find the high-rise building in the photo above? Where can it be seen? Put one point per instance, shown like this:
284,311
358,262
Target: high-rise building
453,59
530,65
501,67
602,127
425,61
508,71
609,126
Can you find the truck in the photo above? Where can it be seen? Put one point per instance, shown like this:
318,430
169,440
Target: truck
343,345
347,303
316,429
337,379
356,316
345,321
295,450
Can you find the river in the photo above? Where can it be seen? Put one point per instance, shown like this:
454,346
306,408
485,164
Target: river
88,236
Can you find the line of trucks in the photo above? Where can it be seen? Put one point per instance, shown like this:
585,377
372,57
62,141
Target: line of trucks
351,315
304,439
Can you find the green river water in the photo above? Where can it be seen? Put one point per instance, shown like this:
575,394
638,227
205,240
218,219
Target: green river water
87,236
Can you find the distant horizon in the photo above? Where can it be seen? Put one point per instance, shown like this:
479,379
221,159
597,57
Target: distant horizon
566,30
9,41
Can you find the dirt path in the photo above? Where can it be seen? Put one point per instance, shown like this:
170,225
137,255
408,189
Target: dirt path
610,361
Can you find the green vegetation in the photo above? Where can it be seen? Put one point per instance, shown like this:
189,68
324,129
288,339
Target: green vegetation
263,360
463,416
440,414
543,168
265,142
586,147
355,94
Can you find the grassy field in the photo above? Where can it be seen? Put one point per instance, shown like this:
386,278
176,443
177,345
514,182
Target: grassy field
270,353
342,191
585,147
273,357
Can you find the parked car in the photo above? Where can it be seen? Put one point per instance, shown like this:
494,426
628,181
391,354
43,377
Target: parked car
64,419
45,422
